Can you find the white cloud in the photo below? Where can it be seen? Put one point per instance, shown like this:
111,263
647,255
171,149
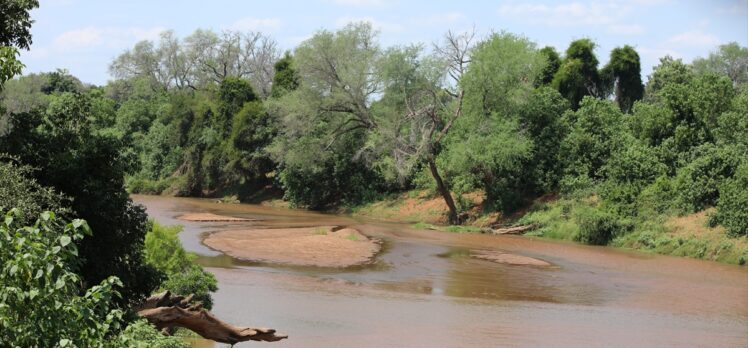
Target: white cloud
566,14
622,29
256,24
695,38
90,36
115,37
377,24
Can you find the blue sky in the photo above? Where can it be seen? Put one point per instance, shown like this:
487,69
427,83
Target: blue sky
83,36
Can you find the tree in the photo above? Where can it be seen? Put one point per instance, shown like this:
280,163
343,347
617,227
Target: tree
669,71
578,76
421,108
200,60
596,131
489,143
730,59
15,22
327,118
624,71
286,78
89,167
552,64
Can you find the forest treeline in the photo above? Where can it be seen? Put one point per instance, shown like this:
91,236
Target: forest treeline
341,120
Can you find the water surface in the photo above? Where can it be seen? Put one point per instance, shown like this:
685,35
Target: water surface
425,291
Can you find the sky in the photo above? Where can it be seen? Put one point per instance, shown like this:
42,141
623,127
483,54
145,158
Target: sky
84,36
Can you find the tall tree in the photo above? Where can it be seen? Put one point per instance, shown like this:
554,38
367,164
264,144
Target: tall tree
730,59
552,64
286,78
89,166
624,72
578,76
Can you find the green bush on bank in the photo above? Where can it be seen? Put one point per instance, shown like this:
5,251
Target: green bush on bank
164,251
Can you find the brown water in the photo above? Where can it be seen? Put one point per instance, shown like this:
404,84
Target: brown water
424,291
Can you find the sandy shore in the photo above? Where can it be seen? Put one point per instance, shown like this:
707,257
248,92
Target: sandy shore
321,246
507,258
209,217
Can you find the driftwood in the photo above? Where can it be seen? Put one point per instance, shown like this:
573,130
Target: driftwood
167,312
509,230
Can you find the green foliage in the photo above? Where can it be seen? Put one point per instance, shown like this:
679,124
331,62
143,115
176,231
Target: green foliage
232,94
578,76
487,147
697,183
141,334
42,303
730,60
597,227
732,205
669,72
286,78
15,22
552,64
624,70
89,166
596,131
627,172
19,190
164,251
9,65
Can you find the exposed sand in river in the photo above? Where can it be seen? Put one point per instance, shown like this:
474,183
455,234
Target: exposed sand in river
507,258
321,246
209,217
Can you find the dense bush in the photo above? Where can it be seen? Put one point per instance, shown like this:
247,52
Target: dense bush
80,161
732,205
42,303
18,190
597,227
697,184
164,251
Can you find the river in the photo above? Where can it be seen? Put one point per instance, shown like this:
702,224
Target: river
424,292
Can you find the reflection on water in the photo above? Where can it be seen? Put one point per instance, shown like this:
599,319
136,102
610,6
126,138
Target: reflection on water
425,290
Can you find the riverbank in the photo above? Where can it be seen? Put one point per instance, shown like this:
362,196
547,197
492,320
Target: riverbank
554,218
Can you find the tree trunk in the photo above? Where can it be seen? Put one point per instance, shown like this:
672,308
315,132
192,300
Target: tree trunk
167,312
444,190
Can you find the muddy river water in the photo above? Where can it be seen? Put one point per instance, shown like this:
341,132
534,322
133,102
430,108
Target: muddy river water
424,291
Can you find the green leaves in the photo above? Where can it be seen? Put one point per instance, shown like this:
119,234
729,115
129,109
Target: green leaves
64,241
39,289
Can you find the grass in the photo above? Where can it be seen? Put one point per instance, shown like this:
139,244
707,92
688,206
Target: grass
686,236
320,231
352,237
556,219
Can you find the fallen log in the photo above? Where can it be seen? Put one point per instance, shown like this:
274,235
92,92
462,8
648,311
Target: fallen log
167,312
509,230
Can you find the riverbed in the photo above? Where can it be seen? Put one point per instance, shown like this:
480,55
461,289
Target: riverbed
424,289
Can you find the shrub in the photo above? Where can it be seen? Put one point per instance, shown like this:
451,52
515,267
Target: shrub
42,303
732,206
141,334
164,251
597,227
697,184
